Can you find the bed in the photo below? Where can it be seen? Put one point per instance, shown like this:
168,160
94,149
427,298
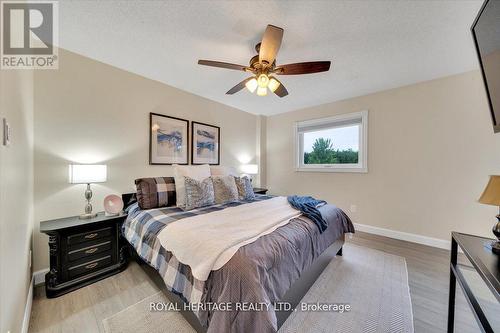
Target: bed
270,273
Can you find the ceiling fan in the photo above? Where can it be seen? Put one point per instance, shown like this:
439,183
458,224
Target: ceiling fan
263,66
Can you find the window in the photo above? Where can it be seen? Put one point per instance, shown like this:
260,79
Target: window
334,144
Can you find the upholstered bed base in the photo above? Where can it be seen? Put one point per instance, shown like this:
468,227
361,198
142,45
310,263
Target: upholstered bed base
292,296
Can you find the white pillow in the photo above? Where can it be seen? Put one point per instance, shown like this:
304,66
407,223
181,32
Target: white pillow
197,172
219,170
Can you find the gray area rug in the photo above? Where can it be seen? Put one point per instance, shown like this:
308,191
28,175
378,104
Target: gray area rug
373,283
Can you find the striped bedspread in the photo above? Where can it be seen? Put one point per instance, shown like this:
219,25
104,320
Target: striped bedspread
141,230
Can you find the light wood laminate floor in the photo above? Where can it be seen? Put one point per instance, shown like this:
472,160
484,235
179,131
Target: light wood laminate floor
83,310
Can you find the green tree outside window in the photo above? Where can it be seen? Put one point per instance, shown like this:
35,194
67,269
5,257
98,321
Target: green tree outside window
324,153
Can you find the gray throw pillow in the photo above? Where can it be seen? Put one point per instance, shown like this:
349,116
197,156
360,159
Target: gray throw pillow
225,189
199,193
245,188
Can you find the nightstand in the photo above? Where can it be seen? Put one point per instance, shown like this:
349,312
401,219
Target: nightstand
83,251
258,190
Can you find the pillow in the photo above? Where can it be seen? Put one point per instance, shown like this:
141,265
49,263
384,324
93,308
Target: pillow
198,193
197,172
219,170
245,188
225,189
155,192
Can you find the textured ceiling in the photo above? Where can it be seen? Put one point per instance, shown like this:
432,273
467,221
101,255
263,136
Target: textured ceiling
374,45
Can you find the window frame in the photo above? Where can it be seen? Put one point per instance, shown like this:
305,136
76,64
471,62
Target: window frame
360,167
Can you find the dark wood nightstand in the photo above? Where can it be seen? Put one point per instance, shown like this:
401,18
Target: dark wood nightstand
485,266
258,190
83,251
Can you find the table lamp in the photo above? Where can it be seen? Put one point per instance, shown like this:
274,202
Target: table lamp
87,174
491,196
249,169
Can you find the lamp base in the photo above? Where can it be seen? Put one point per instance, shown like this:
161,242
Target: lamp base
88,207
494,246
87,216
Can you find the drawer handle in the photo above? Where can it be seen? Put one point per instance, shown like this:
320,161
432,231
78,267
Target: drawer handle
90,266
92,250
90,236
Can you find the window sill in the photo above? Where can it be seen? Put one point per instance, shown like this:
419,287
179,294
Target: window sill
340,170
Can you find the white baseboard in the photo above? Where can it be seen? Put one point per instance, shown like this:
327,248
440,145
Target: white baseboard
27,308
414,238
39,276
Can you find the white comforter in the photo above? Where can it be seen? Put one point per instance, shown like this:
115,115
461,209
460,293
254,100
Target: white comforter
206,242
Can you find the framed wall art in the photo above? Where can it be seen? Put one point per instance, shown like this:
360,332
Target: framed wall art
168,140
205,144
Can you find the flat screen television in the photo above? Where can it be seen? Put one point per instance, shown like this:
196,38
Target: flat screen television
486,34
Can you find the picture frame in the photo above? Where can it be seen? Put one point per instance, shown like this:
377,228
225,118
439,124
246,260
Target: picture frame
205,145
168,140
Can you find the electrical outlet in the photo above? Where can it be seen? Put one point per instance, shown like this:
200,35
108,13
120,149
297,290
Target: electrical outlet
7,134
353,208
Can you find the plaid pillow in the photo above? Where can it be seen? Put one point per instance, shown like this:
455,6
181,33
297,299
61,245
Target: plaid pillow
155,192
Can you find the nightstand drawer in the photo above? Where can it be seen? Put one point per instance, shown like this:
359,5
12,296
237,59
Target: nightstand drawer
91,243
89,266
89,250
88,236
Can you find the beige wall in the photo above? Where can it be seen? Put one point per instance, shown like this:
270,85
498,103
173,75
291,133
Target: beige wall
16,197
90,112
261,153
431,149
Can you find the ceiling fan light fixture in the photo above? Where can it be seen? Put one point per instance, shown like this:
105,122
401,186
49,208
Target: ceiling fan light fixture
273,84
251,85
262,91
263,68
263,80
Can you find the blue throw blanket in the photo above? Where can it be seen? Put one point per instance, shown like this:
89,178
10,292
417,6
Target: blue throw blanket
308,206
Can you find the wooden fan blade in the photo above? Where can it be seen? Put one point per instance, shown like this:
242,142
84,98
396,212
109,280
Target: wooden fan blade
238,87
223,65
303,68
281,90
271,42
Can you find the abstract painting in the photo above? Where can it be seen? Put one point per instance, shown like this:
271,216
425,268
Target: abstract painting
206,140
168,140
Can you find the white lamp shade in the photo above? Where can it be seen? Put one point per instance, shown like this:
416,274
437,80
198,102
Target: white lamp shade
87,173
250,169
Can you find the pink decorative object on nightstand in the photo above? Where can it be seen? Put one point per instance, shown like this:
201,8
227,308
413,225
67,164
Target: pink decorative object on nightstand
113,205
